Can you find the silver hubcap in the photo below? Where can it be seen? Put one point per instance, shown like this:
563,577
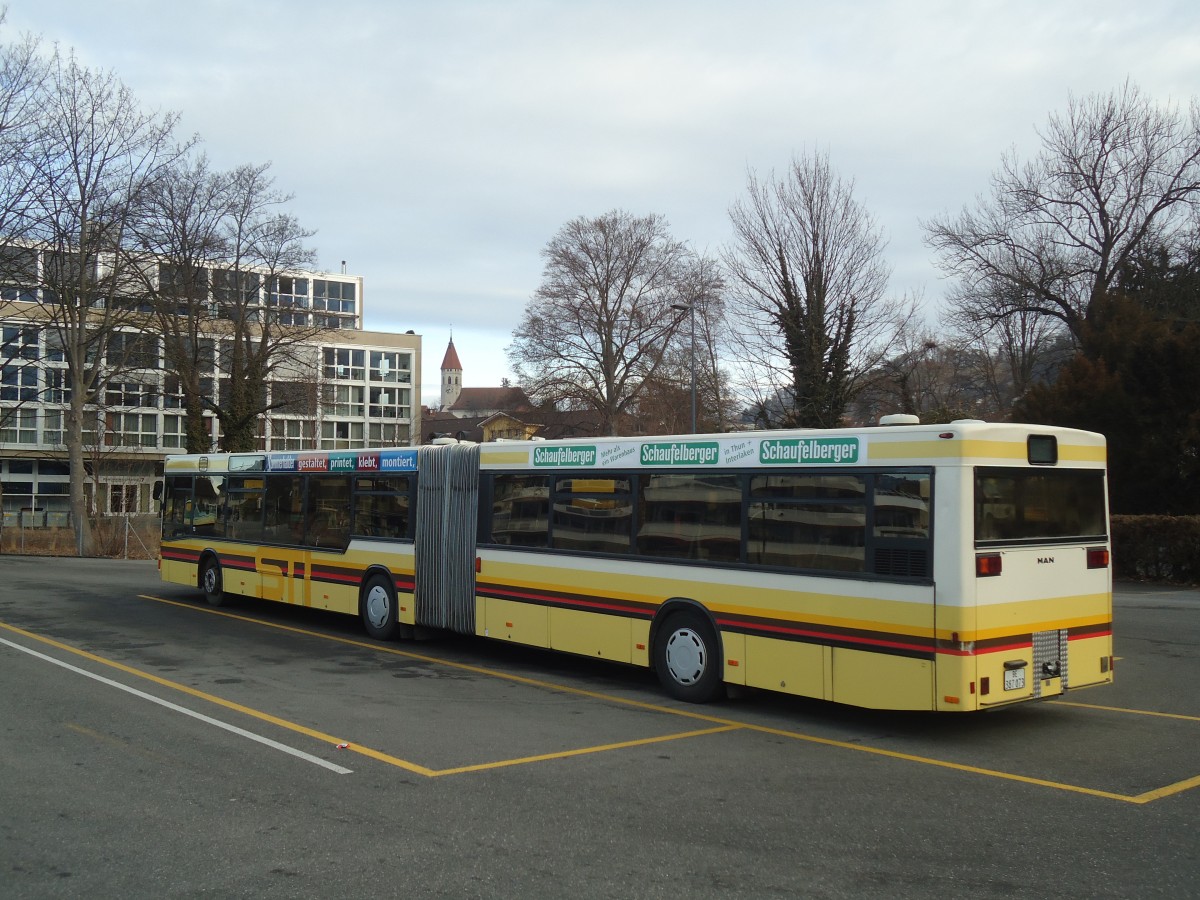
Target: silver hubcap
686,656
378,606
210,579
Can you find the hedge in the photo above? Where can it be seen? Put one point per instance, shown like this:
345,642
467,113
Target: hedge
1156,548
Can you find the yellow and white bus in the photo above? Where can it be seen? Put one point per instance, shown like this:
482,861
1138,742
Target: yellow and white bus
953,567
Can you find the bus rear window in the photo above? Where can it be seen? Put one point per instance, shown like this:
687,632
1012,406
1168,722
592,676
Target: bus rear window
1039,504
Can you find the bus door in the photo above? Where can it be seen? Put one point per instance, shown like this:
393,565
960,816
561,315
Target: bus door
323,530
281,559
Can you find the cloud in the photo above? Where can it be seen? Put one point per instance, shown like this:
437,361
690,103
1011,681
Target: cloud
437,147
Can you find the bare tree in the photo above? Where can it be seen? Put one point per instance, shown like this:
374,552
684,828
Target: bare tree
182,233
595,332
1114,173
23,76
220,246
261,245
664,406
96,154
23,72
1005,357
807,280
909,379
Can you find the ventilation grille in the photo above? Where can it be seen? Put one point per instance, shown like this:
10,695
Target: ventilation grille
906,563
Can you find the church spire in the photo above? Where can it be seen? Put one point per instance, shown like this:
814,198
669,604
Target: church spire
450,361
451,375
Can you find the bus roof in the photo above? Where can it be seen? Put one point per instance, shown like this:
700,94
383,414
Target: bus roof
962,442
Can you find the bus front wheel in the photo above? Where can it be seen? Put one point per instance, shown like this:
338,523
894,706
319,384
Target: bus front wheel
687,658
379,610
210,581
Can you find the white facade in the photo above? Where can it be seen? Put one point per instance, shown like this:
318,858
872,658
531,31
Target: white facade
346,389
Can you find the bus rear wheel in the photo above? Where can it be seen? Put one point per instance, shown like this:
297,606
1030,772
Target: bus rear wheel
210,581
687,658
380,614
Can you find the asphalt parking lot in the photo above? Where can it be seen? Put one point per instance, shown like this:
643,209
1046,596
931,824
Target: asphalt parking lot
154,746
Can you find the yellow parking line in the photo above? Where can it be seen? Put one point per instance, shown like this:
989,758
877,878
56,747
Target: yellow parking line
945,764
1132,712
722,723
585,750
354,747
449,663
219,701
1177,788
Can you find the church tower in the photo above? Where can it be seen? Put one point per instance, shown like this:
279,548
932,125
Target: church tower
451,376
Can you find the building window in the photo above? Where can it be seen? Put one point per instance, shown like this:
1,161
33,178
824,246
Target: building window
334,296
295,398
387,434
345,364
172,397
58,386
395,368
19,342
172,392
132,350
286,292
184,284
18,381
52,434
130,393
20,268
341,435
131,430
174,432
122,499
389,403
295,319
293,434
343,400
54,346
18,426
234,290
16,497
93,432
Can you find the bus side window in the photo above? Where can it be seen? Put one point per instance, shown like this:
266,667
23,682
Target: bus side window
327,516
177,506
381,505
592,513
245,509
520,514
689,516
283,492
208,504
808,521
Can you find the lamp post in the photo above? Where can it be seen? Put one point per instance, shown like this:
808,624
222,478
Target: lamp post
691,309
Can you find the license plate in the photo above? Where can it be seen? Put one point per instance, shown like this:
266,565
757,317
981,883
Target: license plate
1014,679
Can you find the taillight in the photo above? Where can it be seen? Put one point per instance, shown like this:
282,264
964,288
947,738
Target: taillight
987,565
1097,558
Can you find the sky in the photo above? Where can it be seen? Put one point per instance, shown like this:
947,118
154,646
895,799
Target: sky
436,147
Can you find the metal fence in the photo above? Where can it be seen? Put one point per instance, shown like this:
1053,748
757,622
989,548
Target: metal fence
40,533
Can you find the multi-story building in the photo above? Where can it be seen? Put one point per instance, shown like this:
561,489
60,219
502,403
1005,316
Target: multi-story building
344,388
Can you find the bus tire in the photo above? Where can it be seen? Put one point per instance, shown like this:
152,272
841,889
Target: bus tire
378,608
212,583
687,658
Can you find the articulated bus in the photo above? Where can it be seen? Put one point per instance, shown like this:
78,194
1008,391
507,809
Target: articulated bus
955,567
